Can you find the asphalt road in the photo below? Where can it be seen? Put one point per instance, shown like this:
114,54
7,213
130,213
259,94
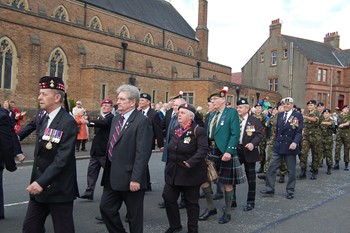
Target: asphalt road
319,206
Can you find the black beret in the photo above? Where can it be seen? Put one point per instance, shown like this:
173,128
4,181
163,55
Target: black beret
242,101
145,96
188,107
320,104
48,82
258,105
326,110
311,102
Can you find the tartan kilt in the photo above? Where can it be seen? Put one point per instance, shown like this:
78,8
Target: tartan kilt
231,172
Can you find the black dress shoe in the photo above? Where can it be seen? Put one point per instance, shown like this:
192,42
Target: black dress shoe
281,180
262,177
87,197
290,196
225,218
248,207
161,205
182,205
261,170
218,196
99,218
173,230
207,213
266,192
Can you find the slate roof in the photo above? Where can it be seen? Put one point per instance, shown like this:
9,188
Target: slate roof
317,51
344,56
158,13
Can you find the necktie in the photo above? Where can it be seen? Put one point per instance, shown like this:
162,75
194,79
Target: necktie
112,142
213,125
241,128
44,123
284,118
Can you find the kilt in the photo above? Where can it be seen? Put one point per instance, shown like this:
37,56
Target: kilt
230,172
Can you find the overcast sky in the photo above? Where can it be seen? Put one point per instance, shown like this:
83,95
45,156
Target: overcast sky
238,28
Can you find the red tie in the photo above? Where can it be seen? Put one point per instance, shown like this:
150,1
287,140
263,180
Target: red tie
114,138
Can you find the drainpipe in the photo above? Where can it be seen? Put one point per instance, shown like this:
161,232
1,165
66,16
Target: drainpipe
290,70
331,89
199,68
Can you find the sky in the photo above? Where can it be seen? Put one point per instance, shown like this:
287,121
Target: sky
237,29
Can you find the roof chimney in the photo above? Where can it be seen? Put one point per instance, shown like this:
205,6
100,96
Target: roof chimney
275,27
202,32
332,38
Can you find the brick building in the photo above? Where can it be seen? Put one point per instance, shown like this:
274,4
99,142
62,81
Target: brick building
95,46
301,68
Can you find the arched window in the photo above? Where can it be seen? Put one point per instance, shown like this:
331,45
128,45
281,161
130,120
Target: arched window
149,39
190,51
169,45
58,63
124,32
7,56
20,4
61,13
95,23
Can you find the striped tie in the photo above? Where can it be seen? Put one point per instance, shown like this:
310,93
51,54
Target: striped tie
114,138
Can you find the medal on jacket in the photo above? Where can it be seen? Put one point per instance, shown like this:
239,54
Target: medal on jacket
187,140
250,129
49,145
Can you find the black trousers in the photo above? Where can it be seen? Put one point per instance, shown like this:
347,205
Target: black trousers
61,214
111,201
93,171
191,193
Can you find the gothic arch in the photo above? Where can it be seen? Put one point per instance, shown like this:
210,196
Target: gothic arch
8,63
124,32
149,39
170,45
58,64
61,13
95,23
20,4
190,51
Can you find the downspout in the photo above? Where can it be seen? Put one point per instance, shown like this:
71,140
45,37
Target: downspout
331,89
85,10
125,46
290,70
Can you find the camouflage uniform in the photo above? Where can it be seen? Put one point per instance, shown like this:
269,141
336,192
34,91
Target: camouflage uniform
311,140
326,145
263,142
343,137
283,167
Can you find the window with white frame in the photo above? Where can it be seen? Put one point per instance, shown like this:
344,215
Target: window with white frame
319,74
324,76
188,96
274,58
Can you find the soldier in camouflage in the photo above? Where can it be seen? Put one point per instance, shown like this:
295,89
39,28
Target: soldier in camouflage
262,146
327,125
311,140
343,137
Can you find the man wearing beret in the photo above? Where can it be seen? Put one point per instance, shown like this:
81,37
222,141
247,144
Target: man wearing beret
286,147
262,146
145,108
327,126
53,184
311,140
223,132
343,138
98,146
251,134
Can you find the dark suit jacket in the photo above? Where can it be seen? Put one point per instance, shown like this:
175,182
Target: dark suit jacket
167,119
55,169
286,134
255,138
7,147
157,128
191,147
32,126
100,141
131,153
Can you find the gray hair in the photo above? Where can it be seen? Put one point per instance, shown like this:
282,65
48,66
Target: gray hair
131,92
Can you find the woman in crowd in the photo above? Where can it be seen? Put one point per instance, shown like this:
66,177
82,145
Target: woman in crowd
185,170
82,135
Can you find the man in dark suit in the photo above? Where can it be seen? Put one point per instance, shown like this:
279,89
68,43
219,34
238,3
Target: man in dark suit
146,110
53,184
7,151
128,153
98,146
286,146
248,148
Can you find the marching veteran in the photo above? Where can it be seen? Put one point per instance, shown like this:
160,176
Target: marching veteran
53,184
248,152
286,146
185,169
